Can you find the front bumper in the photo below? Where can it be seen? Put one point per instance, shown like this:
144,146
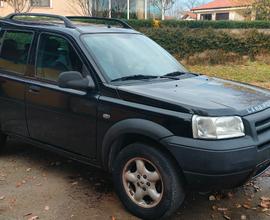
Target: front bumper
220,164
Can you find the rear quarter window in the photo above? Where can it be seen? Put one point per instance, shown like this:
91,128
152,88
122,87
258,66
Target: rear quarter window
15,47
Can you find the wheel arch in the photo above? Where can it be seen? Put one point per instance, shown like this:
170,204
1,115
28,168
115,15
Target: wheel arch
129,131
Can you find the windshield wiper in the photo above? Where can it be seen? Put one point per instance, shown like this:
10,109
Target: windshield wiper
135,77
176,73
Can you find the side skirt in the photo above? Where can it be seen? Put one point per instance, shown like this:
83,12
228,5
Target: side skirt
59,151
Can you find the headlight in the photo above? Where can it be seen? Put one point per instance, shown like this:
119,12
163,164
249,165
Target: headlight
217,127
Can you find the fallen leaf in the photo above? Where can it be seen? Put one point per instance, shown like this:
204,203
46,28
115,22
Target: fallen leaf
265,198
2,197
230,195
247,206
265,204
28,169
113,218
212,198
214,208
18,184
28,214
256,188
47,208
219,197
222,209
243,217
33,218
227,217
238,205
74,183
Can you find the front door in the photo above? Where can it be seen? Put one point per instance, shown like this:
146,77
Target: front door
64,118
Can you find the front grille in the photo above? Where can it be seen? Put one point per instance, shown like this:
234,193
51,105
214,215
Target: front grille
264,145
262,126
261,121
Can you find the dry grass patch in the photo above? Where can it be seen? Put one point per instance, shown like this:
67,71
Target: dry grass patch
256,73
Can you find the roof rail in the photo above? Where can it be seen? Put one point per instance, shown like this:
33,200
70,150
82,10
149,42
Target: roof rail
66,21
124,24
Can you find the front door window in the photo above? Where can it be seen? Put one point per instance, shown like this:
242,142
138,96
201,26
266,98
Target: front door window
55,55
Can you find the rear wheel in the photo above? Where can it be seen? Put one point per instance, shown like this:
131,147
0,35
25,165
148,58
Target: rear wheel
147,182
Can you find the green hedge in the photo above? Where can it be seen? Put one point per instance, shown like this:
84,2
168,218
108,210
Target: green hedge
203,24
186,42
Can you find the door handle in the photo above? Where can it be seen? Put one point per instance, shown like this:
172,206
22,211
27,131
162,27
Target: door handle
34,89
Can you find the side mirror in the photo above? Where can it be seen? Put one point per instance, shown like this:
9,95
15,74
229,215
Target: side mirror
75,80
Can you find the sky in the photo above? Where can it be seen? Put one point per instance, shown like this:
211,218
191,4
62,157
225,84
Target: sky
183,3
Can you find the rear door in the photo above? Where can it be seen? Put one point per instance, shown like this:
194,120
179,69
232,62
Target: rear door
14,55
60,117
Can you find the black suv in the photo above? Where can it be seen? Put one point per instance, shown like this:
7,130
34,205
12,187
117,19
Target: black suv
110,97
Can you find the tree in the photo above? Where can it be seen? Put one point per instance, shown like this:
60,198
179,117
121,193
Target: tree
119,8
20,6
193,3
255,9
85,7
90,7
163,6
181,7
262,9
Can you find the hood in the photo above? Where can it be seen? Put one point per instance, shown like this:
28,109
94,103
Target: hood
199,95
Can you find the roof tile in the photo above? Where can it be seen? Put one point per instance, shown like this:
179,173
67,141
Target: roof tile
223,4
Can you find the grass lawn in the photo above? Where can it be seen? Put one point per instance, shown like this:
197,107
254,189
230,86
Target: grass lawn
256,73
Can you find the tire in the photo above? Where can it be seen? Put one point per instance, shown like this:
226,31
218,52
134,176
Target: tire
3,139
134,187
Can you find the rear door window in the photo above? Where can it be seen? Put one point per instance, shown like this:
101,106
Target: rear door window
55,55
15,50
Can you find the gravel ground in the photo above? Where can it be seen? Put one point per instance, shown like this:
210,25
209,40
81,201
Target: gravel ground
36,184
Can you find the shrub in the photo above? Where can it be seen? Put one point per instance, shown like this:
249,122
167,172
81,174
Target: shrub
203,24
184,43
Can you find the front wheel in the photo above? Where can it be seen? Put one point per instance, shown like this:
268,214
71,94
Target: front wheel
147,182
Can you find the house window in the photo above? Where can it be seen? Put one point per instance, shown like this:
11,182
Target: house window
222,16
41,3
206,17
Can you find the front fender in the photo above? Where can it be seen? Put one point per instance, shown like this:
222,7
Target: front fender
131,126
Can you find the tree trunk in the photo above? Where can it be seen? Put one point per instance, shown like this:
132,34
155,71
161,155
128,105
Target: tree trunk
162,14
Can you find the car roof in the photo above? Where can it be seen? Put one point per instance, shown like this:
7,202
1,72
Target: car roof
68,26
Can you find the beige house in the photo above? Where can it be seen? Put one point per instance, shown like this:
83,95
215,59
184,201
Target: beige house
140,9
222,10
63,7
189,16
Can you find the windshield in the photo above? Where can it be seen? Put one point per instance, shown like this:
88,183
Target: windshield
124,55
